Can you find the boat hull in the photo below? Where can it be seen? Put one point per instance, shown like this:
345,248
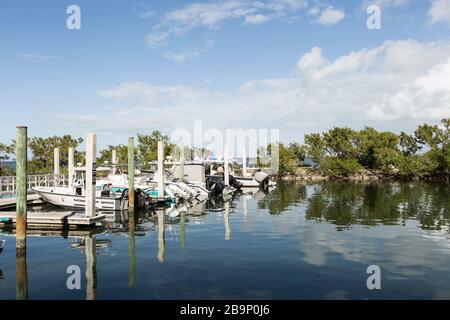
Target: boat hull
79,202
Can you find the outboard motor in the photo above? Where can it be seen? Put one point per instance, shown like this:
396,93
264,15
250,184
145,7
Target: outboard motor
234,183
106,190
263,179
142,200
215,184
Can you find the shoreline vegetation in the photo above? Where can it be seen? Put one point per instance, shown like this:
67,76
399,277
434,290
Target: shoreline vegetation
337,154
368,154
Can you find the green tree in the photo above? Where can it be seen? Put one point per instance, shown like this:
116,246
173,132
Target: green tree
148,147
429,135
340,142
298,151
5,153
408,145
334,152
315,147
436,141
288,161
376,150
335,167
105,156
42,150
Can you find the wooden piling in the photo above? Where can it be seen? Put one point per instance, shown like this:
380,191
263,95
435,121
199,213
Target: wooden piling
71,168
21,175
91,267
225,164
131,200
161,184
182,162
114,161
183,229
56,161
91,174
131,249
244,162
245,207
227,221
161,214
21,276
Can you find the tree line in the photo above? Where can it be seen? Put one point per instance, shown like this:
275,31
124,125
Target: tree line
344,152
42,152
336,153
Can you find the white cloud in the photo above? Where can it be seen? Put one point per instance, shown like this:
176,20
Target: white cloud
256,19
425,97
330,16
395,85
384,3
440,11
326,15
36,57
187,54
311,60
144,10
211,15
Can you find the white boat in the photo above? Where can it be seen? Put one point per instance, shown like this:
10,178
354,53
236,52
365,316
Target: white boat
248,182
199,189
120,181
260,180
74,197
194,177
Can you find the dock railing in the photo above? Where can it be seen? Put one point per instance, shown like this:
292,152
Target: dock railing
9,184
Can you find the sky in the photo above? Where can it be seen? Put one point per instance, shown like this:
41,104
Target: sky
299,66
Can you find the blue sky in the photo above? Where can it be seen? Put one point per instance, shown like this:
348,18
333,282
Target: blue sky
231,64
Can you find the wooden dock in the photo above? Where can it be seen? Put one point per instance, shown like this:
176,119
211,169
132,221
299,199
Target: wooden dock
51,220
9,203
77,233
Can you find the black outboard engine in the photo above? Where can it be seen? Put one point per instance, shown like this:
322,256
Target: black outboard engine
215,184
264,185
106,190
263,179
234,183
141,199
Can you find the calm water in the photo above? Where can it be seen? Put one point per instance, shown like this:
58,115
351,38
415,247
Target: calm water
300,241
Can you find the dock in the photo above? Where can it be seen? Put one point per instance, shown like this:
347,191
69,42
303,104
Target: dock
77,233
52,220
9,203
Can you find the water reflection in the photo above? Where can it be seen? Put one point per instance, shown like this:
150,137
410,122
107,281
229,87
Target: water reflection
183,230
21,276
190,250
285,195
131,249
345,204
227,220
91,267
161,239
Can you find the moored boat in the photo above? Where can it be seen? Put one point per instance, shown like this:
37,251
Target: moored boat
73,197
